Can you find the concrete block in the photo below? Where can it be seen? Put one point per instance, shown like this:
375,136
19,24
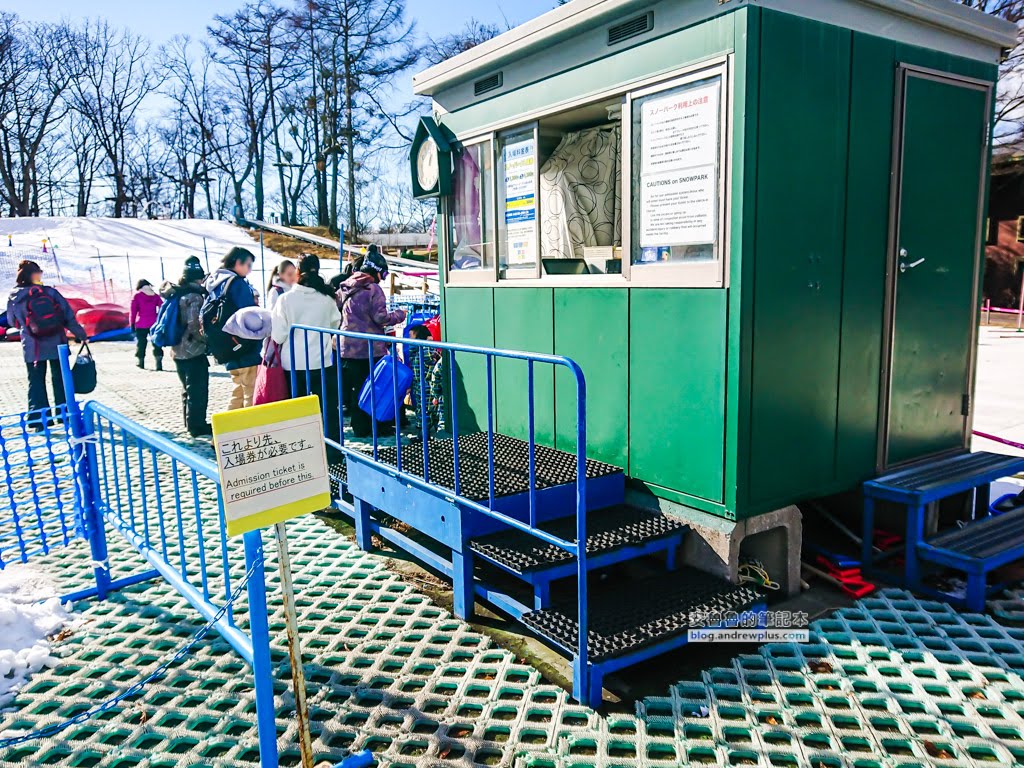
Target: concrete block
715,544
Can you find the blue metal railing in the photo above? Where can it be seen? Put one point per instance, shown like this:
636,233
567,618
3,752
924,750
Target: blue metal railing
329,341
165,501
40,501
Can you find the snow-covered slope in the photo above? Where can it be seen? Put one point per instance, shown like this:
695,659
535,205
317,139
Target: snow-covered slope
138,243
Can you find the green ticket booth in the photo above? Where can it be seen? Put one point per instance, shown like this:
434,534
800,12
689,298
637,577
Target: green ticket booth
755,224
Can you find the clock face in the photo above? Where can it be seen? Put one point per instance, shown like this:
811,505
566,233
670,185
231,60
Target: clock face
426,165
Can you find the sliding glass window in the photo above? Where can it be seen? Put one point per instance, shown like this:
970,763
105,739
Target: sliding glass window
472,212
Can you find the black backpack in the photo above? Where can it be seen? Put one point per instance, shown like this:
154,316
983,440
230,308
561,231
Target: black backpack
216,311
43,315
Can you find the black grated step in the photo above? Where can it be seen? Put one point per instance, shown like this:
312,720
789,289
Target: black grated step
985,538
937,473
511,465
631,616
338,475
607,529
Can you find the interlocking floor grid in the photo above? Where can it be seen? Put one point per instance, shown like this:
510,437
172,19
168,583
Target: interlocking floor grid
892,682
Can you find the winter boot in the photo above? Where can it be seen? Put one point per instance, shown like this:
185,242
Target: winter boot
141,363
159,364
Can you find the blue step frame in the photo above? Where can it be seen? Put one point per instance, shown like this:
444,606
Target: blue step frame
965,472
447,514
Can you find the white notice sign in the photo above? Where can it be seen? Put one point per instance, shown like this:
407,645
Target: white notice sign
520,160
679,168
678,208
680,131
272,462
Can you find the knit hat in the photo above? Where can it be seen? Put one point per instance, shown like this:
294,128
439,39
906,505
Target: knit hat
26,269
374,263
193,270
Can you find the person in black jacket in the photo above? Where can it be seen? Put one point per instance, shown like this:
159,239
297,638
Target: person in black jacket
189,354
240,357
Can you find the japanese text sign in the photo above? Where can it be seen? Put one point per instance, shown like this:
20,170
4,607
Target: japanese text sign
272,463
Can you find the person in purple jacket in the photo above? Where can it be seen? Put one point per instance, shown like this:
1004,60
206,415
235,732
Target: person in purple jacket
44,317
364,309
145,304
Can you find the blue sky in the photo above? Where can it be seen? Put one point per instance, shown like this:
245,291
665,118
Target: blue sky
159,20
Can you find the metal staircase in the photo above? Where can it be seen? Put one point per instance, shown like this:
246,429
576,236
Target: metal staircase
528,528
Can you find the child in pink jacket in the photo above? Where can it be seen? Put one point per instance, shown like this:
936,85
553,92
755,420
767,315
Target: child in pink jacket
145,304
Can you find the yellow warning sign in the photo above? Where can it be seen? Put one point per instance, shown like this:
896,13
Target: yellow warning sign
272,462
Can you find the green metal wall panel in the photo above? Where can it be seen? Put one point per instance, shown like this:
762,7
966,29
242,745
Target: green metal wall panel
797,264
741,289
677,354
469,319
662,55
592,328
524,320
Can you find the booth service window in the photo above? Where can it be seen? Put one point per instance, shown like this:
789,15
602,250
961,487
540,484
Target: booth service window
549,198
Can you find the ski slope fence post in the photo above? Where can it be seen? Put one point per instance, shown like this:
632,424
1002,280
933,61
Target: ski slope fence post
165,501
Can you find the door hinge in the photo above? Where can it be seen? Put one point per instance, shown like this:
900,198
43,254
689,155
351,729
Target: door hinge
965,405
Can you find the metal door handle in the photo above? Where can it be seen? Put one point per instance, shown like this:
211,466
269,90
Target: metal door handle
904,266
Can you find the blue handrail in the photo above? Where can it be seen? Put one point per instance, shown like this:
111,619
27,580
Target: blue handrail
448,353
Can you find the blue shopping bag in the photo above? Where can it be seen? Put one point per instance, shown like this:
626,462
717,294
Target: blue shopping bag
381,404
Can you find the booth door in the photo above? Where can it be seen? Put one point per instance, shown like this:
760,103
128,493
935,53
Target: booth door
934,264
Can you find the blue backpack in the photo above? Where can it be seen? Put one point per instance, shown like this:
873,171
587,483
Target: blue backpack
169,329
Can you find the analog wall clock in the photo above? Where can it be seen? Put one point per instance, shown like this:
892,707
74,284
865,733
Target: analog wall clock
431,161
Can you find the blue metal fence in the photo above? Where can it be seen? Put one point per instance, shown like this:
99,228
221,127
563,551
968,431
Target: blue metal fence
40,506
319,380
165,500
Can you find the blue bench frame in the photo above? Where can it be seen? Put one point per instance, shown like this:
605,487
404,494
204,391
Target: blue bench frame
916,502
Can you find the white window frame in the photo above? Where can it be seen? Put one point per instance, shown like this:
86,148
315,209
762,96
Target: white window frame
672,275
488,273
678,274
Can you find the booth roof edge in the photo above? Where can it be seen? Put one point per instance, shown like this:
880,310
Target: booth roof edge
947,15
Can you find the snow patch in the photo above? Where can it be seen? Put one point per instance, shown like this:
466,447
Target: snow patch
29,616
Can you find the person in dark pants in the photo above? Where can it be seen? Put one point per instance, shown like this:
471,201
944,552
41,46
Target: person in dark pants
189,354
142,316
311,303
364,309
44,317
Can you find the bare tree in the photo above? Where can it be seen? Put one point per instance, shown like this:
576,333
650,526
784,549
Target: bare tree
80,140
35,73
115,78
364,45
250,48
188,81
438,49
1009,111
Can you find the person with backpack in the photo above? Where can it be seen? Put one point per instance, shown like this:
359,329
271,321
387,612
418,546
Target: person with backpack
179,327
364,309
142,316
44,317
229,291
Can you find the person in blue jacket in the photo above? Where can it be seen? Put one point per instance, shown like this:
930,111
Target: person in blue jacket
44,317
240,357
